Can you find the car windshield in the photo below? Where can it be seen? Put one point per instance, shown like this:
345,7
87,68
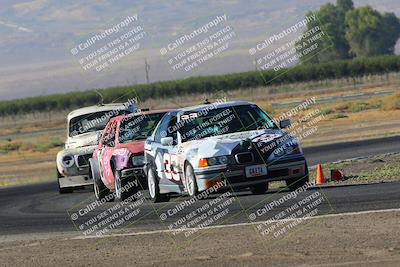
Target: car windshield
197,125
92,122
138,127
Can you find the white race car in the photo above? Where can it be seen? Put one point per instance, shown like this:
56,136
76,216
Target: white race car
84,128
193,149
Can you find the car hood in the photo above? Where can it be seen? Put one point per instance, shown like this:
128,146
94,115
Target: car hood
225,144
82,140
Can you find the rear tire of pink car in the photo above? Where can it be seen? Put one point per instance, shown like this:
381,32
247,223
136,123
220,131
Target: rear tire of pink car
102,192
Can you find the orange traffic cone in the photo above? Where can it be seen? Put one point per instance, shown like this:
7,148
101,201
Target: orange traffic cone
320,179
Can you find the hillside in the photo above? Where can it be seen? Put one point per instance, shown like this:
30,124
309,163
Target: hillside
37,36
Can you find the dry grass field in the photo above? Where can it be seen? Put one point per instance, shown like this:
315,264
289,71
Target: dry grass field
369,109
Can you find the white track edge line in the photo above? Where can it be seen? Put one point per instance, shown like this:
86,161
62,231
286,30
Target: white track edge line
236,224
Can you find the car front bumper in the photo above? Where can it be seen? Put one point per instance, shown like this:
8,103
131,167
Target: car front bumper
74,181
235,175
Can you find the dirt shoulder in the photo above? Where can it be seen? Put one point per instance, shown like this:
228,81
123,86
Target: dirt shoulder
370,239
374,169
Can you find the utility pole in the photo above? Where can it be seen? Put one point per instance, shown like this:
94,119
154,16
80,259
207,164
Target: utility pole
147,69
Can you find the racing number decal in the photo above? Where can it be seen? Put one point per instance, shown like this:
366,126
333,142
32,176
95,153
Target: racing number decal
265,138
190,116
169,169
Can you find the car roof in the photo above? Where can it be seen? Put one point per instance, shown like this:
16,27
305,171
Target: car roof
97,108
149,112
216,105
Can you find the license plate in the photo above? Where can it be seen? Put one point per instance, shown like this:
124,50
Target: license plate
256,170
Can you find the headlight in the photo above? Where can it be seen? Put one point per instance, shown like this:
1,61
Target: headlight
67,161
296,150
221,160
212,161
287,150
138,160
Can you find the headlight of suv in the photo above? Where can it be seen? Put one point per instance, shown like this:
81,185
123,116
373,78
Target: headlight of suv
67,161
138,160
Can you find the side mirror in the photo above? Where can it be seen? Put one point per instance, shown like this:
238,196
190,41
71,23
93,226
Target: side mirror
284,123
167,141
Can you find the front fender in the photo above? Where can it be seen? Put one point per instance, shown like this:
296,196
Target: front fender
121,159
73,170
94,169
60,167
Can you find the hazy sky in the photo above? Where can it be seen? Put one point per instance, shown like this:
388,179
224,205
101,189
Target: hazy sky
51,46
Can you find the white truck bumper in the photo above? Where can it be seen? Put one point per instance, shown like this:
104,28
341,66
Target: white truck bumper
73,181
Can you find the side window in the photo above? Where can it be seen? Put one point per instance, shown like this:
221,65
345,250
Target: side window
172,126
163,128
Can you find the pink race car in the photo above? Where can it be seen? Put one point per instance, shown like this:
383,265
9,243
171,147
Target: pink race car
117,163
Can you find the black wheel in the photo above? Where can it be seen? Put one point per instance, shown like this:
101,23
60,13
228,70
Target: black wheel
123,189
191,182
294,184
259,188
62,190
154,189
101,191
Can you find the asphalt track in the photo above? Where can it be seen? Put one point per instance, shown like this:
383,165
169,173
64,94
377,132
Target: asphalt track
39,209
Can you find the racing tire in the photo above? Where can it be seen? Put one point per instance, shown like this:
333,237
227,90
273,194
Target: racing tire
259,189
101,191
122,189
154,188
62,190
191,182
294,184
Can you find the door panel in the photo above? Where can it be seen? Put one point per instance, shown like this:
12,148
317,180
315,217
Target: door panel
106,154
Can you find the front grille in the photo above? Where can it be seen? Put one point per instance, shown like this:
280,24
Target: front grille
83,160
244,157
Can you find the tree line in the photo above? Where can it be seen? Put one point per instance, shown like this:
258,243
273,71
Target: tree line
356,67
352,32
